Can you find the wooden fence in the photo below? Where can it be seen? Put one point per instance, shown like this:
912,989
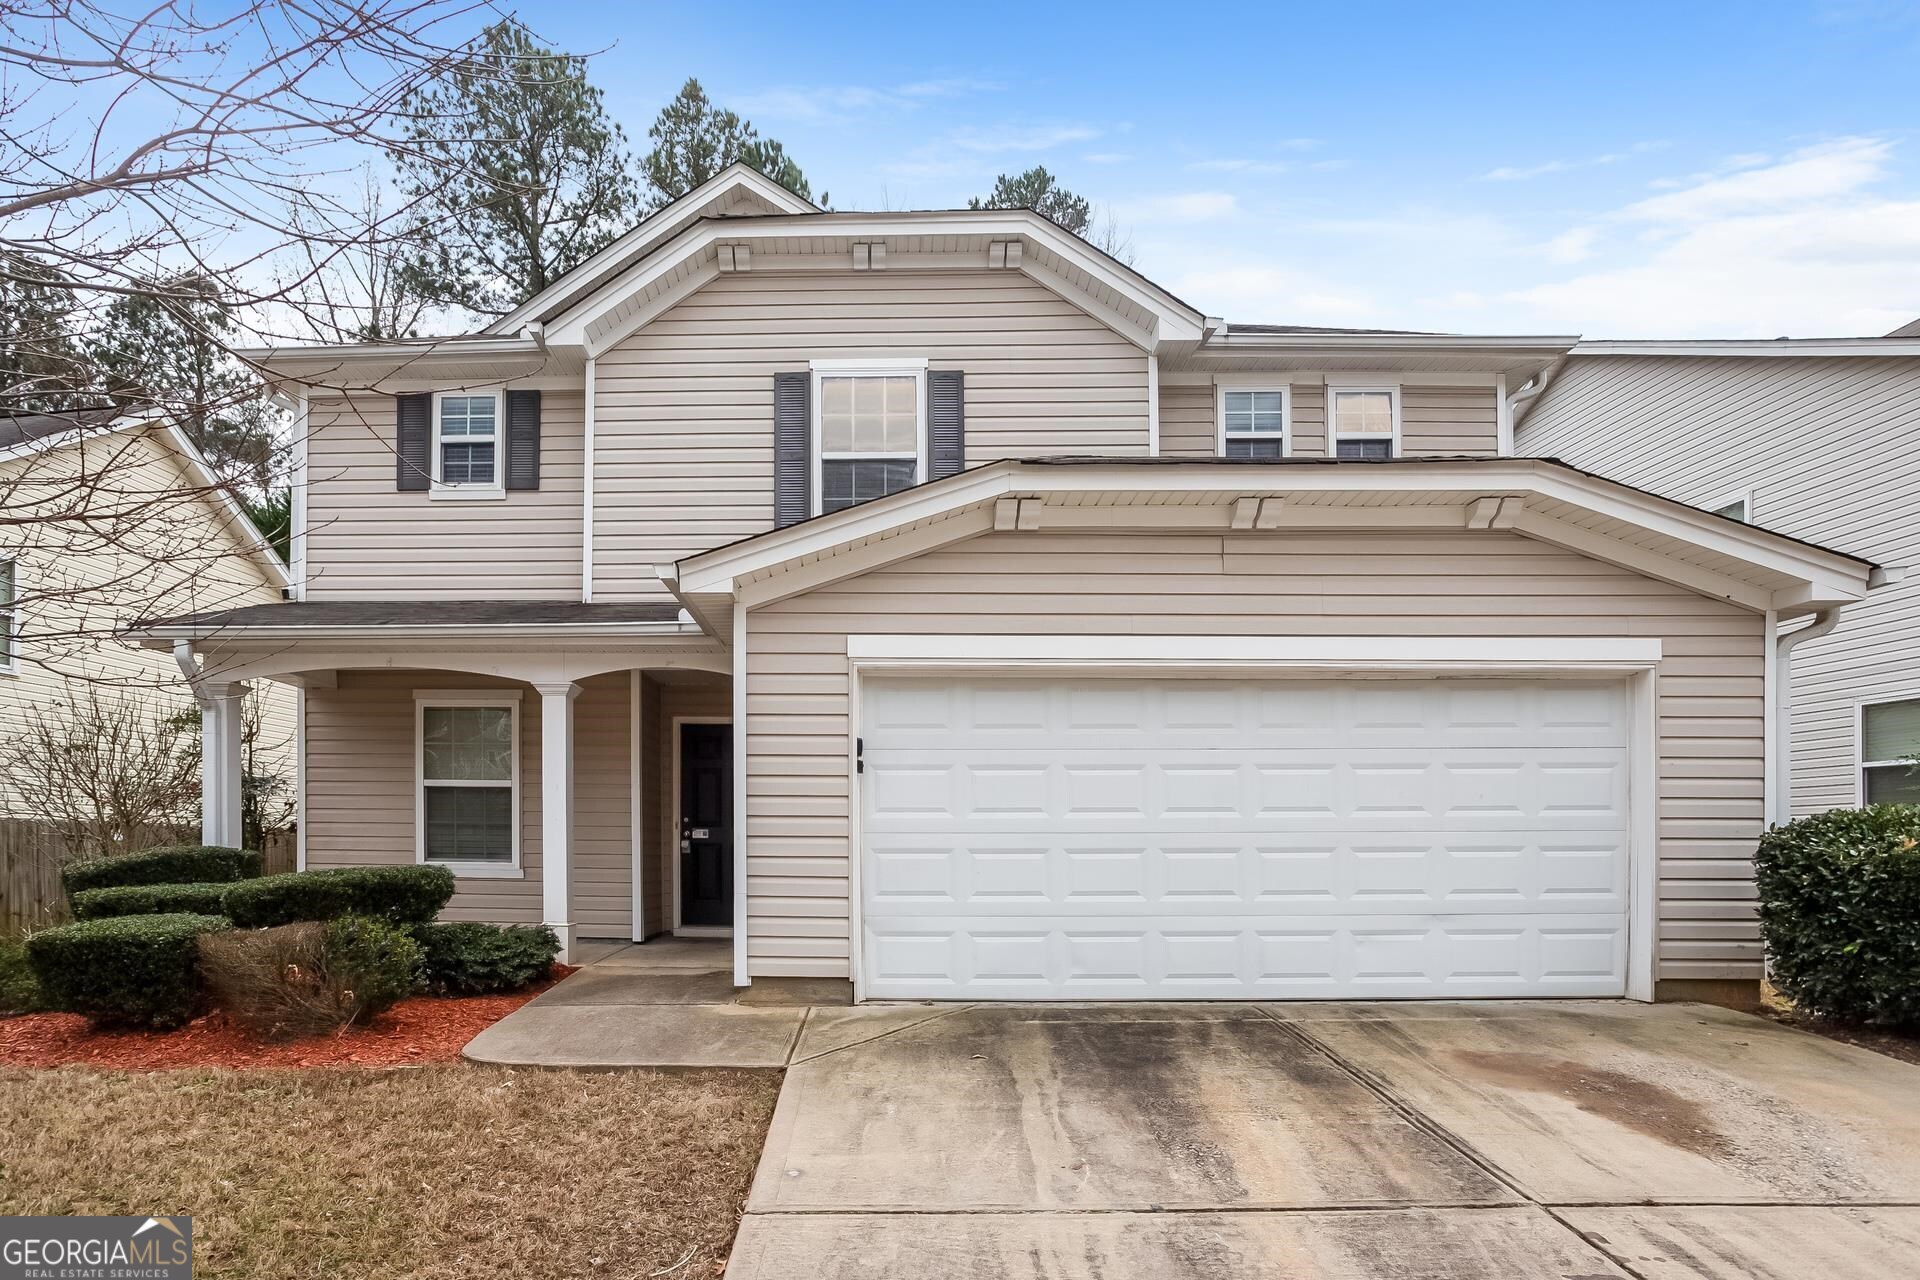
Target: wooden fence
32,853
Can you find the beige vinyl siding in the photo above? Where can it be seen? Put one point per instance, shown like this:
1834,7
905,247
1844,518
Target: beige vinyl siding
684,408
367,540
602,865
1830,450
1710,713
1441,421
179,556
362,784
1307,421
1188,428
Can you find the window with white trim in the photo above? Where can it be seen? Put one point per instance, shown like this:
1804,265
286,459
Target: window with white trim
1890,752
1253,422
469,799
9,617
1365,421
466,440
870,429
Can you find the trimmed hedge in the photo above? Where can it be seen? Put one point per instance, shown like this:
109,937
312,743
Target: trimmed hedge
478,959
147,900
1840,912
398,895
137,970
170,864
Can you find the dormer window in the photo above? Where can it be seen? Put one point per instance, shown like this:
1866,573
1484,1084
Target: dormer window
1365,421
869,431
466,442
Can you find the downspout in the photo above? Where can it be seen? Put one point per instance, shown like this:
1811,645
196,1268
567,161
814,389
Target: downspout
1522,400
1823,622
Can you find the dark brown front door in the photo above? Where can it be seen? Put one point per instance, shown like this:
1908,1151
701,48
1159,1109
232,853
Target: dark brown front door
706,832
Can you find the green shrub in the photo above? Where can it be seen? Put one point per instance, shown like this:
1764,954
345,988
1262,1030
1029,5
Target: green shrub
172,864
137,970
373,963
147,900
19,992
398,895
476,959
1840,912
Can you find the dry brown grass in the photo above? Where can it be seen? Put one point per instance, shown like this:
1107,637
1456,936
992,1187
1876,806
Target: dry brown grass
439,1172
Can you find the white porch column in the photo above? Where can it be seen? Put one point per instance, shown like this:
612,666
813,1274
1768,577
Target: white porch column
556,808
220,765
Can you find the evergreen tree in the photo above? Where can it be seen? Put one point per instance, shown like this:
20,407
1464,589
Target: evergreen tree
693,140
167,348
515,173
1040,191
42,366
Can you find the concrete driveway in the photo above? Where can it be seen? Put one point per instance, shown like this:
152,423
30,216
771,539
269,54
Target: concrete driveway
1415,1141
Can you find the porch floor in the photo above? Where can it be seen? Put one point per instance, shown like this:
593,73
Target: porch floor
672,1003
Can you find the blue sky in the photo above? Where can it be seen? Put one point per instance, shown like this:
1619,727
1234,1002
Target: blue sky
1677,169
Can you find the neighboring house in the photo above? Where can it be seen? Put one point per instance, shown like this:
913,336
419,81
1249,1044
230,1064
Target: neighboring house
106,518
930,601
1818,438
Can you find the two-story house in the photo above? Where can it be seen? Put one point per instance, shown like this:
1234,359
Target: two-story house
1814,437
930,601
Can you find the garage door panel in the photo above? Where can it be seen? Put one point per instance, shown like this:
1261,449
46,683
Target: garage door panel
1201,958
930,873
1243,839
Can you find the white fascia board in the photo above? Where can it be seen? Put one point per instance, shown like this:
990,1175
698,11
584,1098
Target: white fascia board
410,353
1505,653
1826,573
1176,322
546,635
1779,348
1521,344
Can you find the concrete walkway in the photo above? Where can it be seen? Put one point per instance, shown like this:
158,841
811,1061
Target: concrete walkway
1414,1141
672,1003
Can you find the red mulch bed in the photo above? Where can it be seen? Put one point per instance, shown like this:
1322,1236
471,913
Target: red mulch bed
419,1030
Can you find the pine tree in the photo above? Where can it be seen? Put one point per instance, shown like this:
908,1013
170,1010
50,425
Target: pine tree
515,172
693,140
167,348
42,366
1040,191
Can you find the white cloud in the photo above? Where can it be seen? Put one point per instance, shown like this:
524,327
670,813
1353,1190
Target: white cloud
1520,173
821,103
1005,138
1572,245
1801,245
1191,206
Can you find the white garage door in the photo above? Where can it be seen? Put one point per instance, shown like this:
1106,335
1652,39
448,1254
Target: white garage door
1277,839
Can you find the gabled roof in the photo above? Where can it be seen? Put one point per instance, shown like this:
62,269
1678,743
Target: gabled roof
44,433
1538,498
734,188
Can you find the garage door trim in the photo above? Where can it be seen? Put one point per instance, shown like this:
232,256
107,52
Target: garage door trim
1634,660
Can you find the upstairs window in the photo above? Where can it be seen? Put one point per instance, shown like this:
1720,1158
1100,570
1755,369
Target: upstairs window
469,779
1365,422
1889,745
466,441
870,432
1253,423
9,618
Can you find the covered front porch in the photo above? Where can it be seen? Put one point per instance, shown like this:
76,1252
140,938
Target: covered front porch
571,764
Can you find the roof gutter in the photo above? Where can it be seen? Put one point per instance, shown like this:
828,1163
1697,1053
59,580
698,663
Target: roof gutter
160,636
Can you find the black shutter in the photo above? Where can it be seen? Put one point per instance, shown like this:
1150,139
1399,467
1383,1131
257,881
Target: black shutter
413,442
946,422
792,425
523,439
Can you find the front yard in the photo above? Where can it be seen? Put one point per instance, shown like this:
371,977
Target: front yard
430,1172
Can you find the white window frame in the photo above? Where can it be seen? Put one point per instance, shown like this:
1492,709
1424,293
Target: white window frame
1742,496
1334,389
10,618
1221,386
507,699
1860,763
472,492
880,368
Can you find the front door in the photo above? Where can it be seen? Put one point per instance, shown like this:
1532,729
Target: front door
706,833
